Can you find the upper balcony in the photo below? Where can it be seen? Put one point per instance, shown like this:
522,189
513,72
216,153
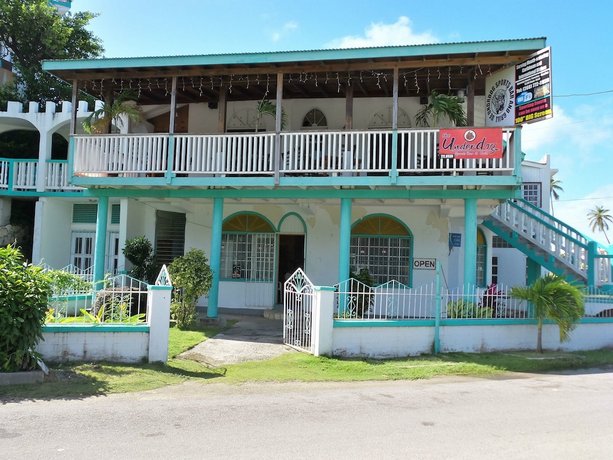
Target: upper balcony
325,118
319,158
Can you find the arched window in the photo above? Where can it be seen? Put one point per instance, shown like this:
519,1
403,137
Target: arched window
383,245
481,258
314,118
247,248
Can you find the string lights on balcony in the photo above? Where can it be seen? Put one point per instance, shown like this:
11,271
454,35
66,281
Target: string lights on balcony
413,81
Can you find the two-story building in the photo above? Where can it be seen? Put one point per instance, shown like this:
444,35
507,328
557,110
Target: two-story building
273,161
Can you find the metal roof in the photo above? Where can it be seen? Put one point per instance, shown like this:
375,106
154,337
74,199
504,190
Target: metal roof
59,67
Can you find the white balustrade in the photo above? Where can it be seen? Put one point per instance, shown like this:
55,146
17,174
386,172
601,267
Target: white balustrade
122,155
56,178
305,152
224,154
4,174
336,152
24,176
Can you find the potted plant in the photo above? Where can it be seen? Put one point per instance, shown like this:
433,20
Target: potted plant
441,106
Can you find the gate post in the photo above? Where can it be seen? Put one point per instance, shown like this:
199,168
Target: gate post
158,315
323,320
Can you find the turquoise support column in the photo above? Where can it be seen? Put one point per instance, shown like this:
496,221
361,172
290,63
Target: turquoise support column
344,242
533,271
216,231
100,243
344,246
437,309
517,151
470,242
592,252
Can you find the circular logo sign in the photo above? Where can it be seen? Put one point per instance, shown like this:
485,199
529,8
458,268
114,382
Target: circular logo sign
499,101
470,135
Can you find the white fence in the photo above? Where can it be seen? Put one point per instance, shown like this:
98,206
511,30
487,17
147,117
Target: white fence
298,311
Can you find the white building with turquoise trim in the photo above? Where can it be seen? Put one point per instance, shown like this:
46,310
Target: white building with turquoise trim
336,179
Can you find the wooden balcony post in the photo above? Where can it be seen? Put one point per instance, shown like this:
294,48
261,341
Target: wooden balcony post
170,159
222,106
349,108
278,126
470,99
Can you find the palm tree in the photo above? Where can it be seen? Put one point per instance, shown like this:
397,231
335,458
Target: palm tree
265,107
553,298
100,121
600,218
555,188
441,105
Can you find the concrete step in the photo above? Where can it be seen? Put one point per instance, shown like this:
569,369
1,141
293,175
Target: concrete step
274,313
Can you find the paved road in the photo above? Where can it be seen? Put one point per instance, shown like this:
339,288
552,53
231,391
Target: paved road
526,417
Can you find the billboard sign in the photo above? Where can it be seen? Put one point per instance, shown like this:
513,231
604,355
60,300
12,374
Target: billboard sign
467,143
533,88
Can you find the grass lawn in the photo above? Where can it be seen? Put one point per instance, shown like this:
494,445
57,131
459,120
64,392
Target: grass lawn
82,379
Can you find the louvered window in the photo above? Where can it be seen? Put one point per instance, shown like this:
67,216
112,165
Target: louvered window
84,213
169,236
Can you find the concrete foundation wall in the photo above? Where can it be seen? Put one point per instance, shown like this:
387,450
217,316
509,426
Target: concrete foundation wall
407,341
129,347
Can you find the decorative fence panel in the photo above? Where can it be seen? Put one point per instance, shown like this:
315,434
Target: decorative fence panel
298,311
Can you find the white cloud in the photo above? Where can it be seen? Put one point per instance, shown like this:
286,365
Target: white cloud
284,30
380,34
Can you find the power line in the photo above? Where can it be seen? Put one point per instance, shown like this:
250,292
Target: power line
583,94
588,199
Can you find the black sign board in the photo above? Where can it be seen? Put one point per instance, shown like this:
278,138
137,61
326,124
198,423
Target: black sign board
455,240
533,88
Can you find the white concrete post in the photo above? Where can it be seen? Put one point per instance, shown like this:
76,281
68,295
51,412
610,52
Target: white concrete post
158,311
44,154
39,209
323,320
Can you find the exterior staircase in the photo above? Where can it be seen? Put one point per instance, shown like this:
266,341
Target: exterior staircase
550,242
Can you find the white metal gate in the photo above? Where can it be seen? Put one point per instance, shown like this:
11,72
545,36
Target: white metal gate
297,311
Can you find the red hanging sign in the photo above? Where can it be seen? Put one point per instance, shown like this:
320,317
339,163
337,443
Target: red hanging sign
467,143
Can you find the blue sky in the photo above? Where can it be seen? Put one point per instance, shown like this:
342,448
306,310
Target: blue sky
579,138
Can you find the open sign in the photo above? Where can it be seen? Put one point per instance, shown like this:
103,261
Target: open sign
424,264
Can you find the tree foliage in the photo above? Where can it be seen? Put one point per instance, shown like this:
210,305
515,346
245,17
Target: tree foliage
139,252
553,298
24,293
101,120
600,218
191,277
33,31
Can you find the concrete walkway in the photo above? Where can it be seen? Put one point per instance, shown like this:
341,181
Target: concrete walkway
252,338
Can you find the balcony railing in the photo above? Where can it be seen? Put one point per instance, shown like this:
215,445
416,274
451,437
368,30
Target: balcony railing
352,153
22,176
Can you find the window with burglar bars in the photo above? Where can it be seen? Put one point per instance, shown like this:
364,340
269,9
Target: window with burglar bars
386,258
248,256
532,193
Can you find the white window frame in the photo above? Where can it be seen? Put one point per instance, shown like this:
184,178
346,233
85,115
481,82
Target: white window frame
82,254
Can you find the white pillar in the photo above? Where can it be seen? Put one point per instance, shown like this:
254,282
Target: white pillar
44,154
158,312
322,320
39,208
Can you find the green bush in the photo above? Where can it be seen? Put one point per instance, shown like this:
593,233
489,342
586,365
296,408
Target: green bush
24,292
191,278
64,283
139,252
462,308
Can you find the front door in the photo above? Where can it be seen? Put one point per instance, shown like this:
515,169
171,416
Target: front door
291,257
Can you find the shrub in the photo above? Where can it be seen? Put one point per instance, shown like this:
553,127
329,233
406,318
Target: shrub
463,308
63,283
139,252
191,277
25,290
